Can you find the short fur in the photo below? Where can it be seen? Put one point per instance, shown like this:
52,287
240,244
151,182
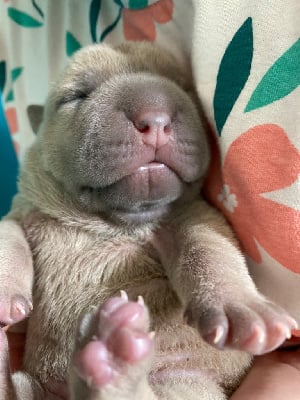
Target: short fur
95,226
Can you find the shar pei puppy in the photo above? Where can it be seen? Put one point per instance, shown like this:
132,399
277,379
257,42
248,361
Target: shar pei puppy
109,202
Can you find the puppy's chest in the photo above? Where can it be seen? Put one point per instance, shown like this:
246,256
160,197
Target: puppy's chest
74,266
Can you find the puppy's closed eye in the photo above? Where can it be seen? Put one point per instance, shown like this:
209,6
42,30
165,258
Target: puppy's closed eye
72,95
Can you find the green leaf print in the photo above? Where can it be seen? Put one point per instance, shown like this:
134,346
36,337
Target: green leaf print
10,96
72,44
2,75
281,79
112,26
233,73
94,15
23,19
38,9
137,4
15,73
119,3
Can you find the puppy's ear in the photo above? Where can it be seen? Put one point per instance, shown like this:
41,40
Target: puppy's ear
35,116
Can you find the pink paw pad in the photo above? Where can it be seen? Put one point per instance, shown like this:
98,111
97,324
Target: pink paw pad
121,339
14,309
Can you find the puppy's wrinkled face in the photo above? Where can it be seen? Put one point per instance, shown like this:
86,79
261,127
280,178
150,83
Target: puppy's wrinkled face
122,134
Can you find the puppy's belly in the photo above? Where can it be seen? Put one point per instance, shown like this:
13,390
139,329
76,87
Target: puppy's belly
179,367
182,356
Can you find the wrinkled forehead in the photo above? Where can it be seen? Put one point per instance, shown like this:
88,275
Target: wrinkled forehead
96,60
97,63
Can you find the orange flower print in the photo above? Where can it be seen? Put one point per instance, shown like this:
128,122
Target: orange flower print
12,121
11,117
256,189
140,24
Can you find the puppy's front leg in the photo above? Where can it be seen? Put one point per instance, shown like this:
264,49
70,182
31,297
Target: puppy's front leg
210,276
16,273
113,353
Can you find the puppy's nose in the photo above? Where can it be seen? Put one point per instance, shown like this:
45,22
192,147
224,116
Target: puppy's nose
155,126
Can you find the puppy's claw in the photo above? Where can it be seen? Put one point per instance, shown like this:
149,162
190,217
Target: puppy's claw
219,334
152,334
140,300
20,309
123,295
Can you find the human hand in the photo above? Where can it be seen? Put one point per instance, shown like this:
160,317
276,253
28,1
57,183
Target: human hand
273,376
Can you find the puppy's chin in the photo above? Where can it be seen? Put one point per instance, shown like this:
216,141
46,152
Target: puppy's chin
140,217
136,213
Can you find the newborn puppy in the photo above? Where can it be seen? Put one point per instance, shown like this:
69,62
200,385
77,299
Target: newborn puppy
109,203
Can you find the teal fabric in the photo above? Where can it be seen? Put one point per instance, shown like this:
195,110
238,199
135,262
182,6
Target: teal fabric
8,165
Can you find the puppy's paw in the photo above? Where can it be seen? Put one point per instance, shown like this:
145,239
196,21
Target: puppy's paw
256,326
119,345
14,307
